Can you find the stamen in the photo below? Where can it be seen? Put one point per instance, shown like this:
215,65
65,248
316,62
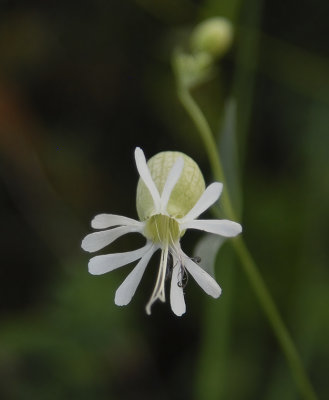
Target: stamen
159,288
183,277
163,230
170,266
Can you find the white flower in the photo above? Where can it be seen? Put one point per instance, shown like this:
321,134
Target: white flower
162,230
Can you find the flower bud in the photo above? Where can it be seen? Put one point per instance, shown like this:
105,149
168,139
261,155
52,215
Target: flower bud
213,36
185,194
194,69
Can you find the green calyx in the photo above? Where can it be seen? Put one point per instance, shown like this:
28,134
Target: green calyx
162,229
185,194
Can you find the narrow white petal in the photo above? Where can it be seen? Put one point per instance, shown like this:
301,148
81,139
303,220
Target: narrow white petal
103,221
177,301
101,264
221,227
145,175
171,181
127,289
97,240
204,280
208,198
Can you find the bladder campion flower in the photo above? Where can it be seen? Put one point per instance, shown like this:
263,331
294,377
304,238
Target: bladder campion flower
171,194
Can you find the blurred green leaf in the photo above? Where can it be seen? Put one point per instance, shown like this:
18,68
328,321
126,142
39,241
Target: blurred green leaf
207,249
229,9
212,373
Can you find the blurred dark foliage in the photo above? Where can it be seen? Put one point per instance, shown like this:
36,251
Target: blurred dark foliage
81,85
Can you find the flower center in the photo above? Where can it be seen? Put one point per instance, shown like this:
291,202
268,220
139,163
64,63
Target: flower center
162,229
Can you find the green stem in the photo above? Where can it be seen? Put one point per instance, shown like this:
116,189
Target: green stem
250,267
274,317
201,123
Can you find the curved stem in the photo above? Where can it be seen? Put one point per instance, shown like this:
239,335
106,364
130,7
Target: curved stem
249,265
208,139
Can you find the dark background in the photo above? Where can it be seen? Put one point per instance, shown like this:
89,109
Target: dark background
81,85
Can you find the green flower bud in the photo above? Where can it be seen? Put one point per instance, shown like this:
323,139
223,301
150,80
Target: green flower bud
185,194
194,69
213,36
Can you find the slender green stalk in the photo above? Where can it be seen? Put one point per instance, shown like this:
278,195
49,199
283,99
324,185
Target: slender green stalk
204,129
249,265
272,313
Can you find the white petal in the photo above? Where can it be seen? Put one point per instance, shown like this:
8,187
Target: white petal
127,289
208,198
103,221
204,280
145,175
171,181
177,301
221,227
97,240
101,264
